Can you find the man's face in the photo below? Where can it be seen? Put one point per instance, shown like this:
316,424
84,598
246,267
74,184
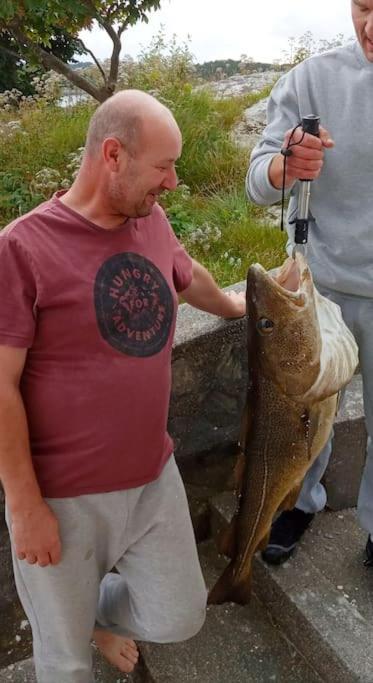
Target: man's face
148,172
362,17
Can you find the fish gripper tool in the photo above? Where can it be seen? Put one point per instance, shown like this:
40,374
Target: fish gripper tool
310,125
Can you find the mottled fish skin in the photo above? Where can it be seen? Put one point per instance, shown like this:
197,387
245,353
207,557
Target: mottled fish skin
289,412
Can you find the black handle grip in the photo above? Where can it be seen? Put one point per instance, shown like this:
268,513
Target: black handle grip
310,124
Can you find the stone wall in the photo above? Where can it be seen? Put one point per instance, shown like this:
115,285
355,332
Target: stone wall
209,370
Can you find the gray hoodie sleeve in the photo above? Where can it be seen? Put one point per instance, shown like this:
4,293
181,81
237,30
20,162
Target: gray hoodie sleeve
282,114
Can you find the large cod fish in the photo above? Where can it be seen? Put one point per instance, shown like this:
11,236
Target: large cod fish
300,356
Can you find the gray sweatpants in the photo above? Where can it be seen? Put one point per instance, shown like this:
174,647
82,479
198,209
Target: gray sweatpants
159,594
358,315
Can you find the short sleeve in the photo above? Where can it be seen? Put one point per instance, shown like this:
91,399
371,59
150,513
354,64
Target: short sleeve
18,293
182,264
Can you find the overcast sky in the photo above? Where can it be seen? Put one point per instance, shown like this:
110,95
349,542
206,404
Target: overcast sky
220,29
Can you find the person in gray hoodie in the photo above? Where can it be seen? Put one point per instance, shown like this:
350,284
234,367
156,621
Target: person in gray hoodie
337,86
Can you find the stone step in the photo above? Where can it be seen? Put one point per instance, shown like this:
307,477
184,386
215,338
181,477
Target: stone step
24,672
342,477
321,597
236,644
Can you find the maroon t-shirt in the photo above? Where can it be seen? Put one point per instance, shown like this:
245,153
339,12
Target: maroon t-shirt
96,309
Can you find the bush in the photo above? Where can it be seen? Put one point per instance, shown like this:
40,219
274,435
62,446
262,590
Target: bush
16,197
43,143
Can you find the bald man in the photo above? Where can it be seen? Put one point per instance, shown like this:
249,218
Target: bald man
90,282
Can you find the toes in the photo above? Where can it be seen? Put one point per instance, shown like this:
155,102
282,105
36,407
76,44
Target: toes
126,667
130,644
131,656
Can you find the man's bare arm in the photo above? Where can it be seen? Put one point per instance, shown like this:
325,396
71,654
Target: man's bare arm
34,526
204,293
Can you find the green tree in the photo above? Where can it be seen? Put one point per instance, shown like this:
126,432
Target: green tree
11,68
46,33
16,73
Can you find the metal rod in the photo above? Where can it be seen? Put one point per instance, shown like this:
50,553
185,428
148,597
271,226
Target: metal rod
310,125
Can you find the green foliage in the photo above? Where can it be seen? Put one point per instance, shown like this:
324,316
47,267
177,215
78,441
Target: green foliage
210,159
51,133
178,209
306,46
235,236
227,67
12,71
208,211
15,196
39,19
38,29
163,68
47,137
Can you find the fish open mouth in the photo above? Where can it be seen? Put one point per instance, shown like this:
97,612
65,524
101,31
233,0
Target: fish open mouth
288,280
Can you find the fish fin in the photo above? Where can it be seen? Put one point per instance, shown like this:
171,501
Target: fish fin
246,421
312,427
227,590
338,402
239,471
264,542
291,498
227,542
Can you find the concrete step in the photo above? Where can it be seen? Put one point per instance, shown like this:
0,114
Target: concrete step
335,545
322,597
343,475
236,644
23,672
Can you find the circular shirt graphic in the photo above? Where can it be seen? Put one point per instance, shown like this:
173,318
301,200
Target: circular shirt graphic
134,305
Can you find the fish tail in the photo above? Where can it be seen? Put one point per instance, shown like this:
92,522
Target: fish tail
229,589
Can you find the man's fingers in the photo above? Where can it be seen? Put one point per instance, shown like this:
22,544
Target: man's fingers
31,558
55,553
303,139
307,140
44,559
308,153
304,171
305,164
326,138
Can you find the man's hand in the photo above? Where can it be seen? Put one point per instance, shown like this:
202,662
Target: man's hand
204,293
35,535
237,303
306,159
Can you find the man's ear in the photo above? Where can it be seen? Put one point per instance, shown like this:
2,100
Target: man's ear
113,153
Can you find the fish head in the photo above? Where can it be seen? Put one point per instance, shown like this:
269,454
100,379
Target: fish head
284,342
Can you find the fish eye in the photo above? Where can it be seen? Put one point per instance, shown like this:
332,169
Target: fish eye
265,326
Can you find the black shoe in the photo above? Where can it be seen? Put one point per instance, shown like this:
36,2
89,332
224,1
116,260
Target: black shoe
285,534
369,553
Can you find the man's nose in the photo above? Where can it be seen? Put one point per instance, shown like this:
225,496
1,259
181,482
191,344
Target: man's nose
171,180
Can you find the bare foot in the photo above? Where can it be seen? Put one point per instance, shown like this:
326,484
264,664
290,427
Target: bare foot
119,651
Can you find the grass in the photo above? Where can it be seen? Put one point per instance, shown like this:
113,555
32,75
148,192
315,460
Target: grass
48,135
244,235
212,166
51,133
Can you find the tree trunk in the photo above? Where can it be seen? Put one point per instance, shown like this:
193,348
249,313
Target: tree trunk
50,61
